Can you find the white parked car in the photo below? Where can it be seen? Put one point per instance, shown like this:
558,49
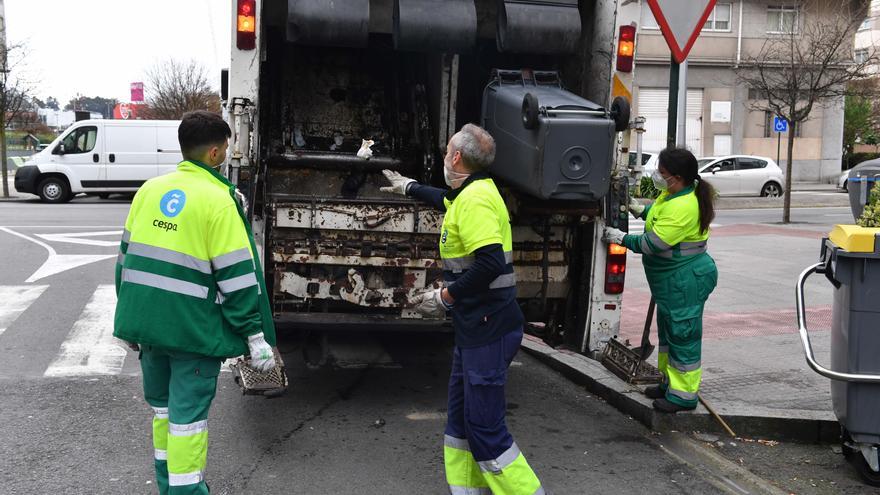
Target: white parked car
743,175
101,157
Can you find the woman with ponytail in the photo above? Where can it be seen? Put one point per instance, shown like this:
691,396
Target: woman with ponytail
680,272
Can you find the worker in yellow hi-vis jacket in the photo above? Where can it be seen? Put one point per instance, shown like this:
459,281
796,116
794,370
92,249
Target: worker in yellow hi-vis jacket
679,270
476,248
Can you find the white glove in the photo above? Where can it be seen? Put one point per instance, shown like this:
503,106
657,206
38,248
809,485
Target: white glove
636,208
430,303
612,235
398,182
262,357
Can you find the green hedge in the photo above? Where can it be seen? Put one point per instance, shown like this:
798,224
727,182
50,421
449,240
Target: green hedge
850,160
646,189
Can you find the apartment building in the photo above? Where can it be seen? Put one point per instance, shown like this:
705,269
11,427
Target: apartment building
868,35
720,119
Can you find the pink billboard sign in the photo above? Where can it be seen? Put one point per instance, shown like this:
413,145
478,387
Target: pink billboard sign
137,92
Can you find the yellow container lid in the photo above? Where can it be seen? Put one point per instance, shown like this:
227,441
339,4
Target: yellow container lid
853,238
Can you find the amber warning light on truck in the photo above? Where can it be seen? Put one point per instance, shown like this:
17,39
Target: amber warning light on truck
247,25
615,269
626,48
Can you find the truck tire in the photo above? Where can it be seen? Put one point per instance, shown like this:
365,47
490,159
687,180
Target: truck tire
54,190
620,112
530,111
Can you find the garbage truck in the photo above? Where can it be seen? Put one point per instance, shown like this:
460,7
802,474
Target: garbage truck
322,96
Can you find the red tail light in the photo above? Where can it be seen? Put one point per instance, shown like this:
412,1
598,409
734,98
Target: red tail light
247,25
626,48
615,269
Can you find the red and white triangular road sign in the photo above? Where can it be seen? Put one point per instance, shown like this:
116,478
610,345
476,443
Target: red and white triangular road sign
680,22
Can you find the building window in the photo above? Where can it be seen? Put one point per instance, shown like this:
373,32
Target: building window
861,55
769,117
866,24
719,19
782,19
648,21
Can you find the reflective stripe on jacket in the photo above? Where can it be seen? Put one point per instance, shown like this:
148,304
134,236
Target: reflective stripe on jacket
672,233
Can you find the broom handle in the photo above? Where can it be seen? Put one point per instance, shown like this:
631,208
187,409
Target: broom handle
716,416
646,336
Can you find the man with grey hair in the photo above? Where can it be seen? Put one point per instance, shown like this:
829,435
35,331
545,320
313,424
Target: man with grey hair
476,247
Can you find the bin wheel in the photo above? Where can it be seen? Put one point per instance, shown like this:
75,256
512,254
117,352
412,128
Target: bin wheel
620,112
530,111
868,475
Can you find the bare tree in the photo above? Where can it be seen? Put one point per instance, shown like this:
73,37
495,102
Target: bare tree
174,88
15,97
811,64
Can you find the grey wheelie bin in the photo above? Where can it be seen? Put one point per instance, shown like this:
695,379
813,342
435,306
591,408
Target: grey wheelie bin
861,179
850,260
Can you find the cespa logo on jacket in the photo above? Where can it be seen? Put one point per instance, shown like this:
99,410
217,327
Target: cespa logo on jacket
172,203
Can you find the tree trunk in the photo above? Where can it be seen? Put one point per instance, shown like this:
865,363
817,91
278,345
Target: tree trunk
3,154
786,201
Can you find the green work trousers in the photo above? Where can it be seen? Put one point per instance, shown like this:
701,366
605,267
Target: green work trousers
180,387
680,298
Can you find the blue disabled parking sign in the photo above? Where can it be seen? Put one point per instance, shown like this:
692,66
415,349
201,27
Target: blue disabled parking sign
780,124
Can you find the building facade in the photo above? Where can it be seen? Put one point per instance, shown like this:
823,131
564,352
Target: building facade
720,118
868,35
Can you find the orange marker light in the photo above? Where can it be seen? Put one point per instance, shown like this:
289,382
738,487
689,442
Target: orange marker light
246,24
615,269
626,48
246,30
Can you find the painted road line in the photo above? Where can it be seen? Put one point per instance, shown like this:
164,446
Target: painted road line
57,263
90,348
78,238
15,300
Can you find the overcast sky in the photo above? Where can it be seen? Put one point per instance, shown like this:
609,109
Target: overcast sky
99,47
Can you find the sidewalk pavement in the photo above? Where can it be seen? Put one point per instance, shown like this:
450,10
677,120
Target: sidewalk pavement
754,371
803,195
813,186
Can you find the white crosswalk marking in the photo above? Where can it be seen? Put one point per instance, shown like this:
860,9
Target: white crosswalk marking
14,300
90,348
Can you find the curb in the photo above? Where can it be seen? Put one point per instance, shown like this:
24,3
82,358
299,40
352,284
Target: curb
726,475
748,422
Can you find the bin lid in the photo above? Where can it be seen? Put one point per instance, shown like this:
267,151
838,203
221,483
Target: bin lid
854,239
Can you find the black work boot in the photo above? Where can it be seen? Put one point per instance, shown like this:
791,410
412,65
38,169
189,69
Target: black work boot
664,405
655,392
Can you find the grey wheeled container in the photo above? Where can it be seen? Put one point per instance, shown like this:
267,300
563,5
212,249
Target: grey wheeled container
855,347
551,144
860,181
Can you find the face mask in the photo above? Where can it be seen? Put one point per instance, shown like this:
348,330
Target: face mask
659,182
451,176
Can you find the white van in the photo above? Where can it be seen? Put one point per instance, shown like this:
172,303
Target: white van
101,157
